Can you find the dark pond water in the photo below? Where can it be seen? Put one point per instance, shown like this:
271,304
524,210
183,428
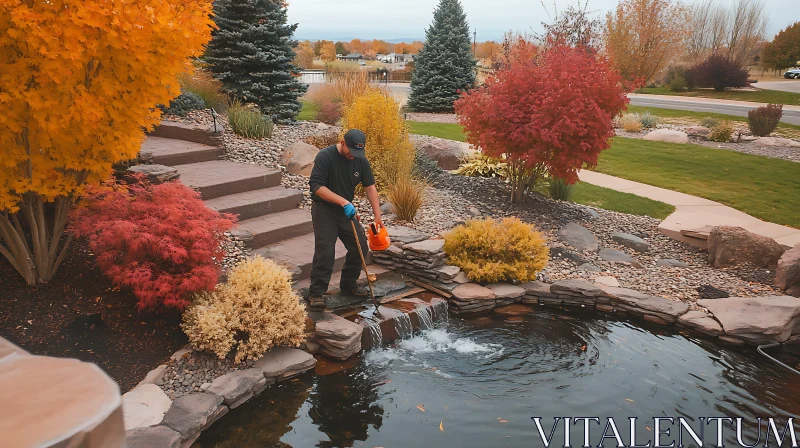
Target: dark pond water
480,381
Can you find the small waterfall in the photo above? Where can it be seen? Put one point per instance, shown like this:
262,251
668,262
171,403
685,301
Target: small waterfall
425,314
403,327
376,335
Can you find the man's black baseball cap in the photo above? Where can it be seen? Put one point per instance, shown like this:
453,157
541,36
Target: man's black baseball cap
355,141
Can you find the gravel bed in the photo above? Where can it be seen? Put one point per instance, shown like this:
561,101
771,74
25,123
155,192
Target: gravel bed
195,372
451,199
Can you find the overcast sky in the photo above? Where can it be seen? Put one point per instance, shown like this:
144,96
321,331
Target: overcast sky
395,19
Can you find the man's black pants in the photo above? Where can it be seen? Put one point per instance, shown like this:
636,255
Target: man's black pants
331,223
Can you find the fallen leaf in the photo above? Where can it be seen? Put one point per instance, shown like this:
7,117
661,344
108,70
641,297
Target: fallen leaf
503,421
649,428
583,347
441,425
628,399
419,406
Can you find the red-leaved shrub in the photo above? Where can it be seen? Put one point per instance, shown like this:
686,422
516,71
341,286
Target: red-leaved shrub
160,240
718,72
763,120
329,112
549,113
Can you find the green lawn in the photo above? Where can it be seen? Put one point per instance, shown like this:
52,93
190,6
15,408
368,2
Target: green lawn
449,131
308,112
759,96
608,199
766,188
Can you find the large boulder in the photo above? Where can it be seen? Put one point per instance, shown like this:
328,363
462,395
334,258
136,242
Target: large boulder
733,246
578,237
756,319
788,272
446,153
298,158
667,135
191,413
776,141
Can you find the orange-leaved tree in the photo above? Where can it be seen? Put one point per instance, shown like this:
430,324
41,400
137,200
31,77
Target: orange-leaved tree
79,81
643,36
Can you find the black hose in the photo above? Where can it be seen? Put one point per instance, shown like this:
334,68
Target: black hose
761,348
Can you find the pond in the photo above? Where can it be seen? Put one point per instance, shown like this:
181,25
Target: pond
479,382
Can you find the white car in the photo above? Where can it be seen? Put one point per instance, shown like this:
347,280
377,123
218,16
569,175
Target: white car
792,73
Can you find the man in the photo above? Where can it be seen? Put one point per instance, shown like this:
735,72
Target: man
338,169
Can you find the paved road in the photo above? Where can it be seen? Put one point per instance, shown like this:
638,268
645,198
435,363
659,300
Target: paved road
737,108
792,85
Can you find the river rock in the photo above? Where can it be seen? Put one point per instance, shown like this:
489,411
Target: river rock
447,154
468,292
698,131
756,319
298,158
144,405
506,291
700,321
589,268
640,303
667,135
671,262
155,436
387,208
191,413
631,241
578,237
776,141
617,256
788,272
239,386
405,235
734,246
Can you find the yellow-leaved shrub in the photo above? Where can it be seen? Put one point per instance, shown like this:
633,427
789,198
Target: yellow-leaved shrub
491,251
254,311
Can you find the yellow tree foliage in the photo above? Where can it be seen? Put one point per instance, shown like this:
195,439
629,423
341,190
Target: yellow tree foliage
328,51
643,36
490,251
389,150
304,55
79,81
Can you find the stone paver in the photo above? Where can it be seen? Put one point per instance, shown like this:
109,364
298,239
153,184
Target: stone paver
576,287
757,319
191,413
506,291
638,302
692,212
280,361
156,436
144,405
472,291
432,247
700,321
237,387
405,235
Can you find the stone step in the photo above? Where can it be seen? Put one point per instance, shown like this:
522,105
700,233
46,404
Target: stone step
253,203
221,178
277,227
171,152
298,253
190,132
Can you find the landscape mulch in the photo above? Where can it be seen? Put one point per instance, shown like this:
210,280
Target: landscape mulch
79,314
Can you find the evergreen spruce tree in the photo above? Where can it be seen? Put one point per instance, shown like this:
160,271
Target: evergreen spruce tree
445,63
252,54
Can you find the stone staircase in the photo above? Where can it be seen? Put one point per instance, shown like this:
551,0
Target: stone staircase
269,218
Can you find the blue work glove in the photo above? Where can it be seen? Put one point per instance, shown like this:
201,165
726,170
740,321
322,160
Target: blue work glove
349,210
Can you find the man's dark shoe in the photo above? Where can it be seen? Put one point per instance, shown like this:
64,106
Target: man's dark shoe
316,302
355,290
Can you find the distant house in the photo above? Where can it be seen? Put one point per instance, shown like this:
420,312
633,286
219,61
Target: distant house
353,57
396,58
